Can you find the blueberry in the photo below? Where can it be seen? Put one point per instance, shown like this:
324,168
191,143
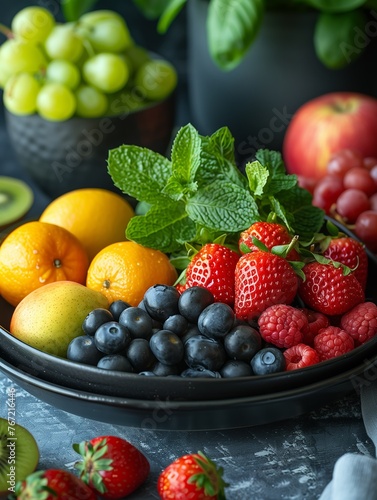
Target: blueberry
236,368
177,324
161,301
112,338
167,347
268,360
216,320
95,319
193,301
82,349
115,362
162,370
137,321
242,342
117,307
191,332
201,351
199,373
140,355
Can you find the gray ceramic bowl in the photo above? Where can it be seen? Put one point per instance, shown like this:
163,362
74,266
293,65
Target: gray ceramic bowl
72,154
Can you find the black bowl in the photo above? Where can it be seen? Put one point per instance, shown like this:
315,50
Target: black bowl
223,413
90,379
65,155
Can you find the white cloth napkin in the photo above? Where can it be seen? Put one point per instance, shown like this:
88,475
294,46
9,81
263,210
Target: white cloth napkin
355,475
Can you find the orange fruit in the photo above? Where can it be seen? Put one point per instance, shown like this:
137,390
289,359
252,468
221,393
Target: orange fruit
125,270
97,217
37,253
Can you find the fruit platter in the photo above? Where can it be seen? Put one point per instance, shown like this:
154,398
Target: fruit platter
226,300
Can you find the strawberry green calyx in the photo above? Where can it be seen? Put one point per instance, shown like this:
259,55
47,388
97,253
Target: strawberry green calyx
93,463
34,487
210,480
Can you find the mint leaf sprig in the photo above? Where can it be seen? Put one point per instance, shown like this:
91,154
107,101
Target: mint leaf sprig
200,194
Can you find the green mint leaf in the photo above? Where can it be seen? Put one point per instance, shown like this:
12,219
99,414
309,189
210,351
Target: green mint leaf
307,219
164,228
272,160
139,172
223,206
281,182
223,142
176,191
257,175
185,155
286,217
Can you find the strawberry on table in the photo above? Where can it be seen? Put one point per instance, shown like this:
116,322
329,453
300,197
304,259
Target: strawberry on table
212,267
112,466
51,484
192,476
262,279
352,254
329,290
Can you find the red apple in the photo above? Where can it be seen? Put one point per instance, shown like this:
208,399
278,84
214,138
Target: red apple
327,124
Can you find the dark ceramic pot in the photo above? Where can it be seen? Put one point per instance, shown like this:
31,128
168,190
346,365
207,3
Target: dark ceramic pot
280,72
72,154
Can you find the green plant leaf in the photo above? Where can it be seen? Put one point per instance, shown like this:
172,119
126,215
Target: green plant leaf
139,172
223,206
337,38
335,5
164,227
257,175
73,9
185,155
232,26
152,9
170,13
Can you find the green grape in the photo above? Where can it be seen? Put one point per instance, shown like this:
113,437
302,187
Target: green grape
20,56
135,57
20,94
33,24
156,79
107,72
64,43
91,102
4,75
56,102
107,35
65,72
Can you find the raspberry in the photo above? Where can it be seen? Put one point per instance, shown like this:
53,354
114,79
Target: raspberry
331,342
283,325
317,321
361,322
300,356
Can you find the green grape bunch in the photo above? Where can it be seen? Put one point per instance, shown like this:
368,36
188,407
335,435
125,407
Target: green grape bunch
88,68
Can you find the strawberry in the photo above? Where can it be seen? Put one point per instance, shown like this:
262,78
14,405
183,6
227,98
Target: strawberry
192,476
212,267
328,290
51,484
352,254
262,279
112,466
270,234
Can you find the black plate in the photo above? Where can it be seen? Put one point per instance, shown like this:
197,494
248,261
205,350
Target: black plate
165,414
110,383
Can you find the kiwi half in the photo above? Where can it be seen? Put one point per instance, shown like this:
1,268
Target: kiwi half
16,198
19,454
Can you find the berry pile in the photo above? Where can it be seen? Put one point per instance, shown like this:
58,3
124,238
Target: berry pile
349,192
236,314
88,68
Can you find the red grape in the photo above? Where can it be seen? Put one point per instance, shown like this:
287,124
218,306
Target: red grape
373,174
351,203
327,192
366,229
360,178
369,162
373,202
341,161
